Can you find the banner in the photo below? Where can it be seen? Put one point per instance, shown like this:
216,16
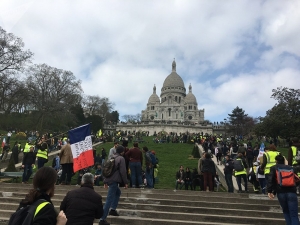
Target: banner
81,146
261,151
3,143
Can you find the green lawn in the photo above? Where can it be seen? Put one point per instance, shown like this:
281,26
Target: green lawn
170,156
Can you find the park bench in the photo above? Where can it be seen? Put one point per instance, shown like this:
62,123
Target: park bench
14,175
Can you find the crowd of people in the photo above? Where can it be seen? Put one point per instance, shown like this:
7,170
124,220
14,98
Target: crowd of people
240,160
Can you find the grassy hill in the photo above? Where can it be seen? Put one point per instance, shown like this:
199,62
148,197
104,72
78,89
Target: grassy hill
170,156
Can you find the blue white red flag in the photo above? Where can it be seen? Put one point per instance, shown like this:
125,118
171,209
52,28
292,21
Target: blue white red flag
81,146
3,143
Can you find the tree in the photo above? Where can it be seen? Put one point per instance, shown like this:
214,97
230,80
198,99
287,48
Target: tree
237,120
284,118
12,56
13,59
95,105
113,117
51,93
12,94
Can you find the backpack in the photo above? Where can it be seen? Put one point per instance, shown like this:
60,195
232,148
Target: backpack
285,177
260,171
153,159
297,157
238,165
235,149
25,215
109,167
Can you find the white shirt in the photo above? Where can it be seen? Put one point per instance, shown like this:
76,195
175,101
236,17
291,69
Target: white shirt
112,151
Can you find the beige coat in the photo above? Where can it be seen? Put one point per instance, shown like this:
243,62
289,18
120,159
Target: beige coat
65,154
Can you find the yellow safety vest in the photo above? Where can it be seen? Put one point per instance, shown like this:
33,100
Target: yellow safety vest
270,160
27,148
294,150
42,154
240,172
40,206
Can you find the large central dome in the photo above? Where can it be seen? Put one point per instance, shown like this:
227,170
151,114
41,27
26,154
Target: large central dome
173,82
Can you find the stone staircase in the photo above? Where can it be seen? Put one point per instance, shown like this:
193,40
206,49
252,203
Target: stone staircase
166,207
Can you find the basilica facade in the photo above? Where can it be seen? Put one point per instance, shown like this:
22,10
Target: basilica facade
174,111
174,104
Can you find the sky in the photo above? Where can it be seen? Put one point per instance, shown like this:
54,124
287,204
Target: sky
232,52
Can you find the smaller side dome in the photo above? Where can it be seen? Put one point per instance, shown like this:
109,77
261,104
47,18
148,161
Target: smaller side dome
190,97
154,97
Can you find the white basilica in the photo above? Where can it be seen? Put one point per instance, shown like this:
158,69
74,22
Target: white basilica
174,105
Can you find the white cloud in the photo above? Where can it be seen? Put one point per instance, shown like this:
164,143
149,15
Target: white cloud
233,53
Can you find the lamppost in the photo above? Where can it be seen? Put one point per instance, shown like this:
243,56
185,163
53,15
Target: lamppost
225,120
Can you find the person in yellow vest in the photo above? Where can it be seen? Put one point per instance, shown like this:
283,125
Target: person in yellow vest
27,147
42,153
293,160
292,152
240,171
40,198
269,159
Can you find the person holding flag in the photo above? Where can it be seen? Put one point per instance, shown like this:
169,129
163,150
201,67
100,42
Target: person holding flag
66,161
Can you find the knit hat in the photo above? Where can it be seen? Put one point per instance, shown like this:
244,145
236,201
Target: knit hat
120,149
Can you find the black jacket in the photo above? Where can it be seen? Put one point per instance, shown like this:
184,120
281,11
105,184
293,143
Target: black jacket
228,167
272,185
29,158
208,166
178,175
47,215
82,205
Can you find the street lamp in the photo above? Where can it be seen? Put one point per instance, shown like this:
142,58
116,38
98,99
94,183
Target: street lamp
225,120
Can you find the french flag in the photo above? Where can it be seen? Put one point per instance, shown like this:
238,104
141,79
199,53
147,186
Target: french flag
3,142
81,146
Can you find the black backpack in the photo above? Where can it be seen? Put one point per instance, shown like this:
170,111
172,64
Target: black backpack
25,215
238,165
109,167
235,149
260,171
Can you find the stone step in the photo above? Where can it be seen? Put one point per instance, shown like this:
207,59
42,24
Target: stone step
167,207
141,221
159,202
126,217
122,207
140,194
251,198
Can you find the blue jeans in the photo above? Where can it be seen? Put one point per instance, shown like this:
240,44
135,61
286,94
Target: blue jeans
262,182
149,177
289,204
112,199
228,178
41,162
27,173
136,173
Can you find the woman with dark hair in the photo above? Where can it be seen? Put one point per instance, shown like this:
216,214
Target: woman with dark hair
188,179
208,171
43,188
